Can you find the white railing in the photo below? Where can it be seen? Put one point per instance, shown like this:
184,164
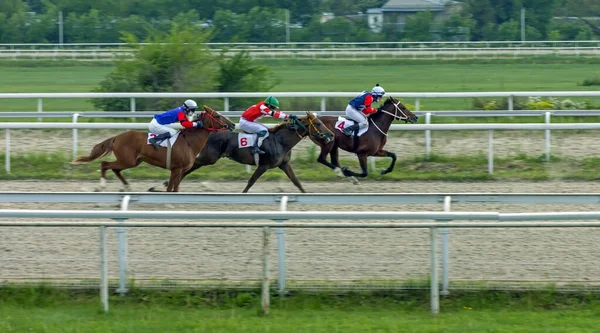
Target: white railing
509,95
547,127
329,53
120,216
127,199
439,44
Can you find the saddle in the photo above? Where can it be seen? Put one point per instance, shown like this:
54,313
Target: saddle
164,142
343,123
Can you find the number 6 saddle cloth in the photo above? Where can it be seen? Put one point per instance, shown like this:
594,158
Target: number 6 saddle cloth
246,140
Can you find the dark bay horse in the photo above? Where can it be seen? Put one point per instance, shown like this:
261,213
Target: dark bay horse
277,145
371,143
131,149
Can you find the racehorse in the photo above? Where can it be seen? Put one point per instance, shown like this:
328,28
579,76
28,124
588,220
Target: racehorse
277,145
368,144
131,149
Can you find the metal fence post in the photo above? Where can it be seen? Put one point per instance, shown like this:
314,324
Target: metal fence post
510,103
446,248
248,169
427,136
226,104
491,153
547,137
323,104
122,245
265,301
103,270
75,143
132,104
7,154
40,107
417,104
434,288
281,248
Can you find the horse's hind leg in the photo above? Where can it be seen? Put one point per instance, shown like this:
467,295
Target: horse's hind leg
117,172
287,168
117,166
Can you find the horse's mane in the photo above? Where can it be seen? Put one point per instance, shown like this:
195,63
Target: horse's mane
280,126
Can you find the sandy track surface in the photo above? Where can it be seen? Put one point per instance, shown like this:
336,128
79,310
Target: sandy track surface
312,254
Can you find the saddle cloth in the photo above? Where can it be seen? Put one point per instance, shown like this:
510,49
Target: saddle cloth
246,140
164,142
343,123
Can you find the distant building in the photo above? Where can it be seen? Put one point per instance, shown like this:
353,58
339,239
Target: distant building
327,17
395,12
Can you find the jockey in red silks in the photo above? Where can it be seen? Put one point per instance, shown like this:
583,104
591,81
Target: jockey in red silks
169,123
360,108
249,123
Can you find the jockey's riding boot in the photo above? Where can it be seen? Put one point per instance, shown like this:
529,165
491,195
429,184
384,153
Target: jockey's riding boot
350,129
155,141
255,149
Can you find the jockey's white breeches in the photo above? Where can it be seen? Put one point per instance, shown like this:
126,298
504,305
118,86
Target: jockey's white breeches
157,128
357,116
252,127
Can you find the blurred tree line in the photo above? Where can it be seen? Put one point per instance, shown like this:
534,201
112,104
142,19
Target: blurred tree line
106,21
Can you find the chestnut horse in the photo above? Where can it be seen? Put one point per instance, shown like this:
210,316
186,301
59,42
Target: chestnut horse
278,146
371,143
131,149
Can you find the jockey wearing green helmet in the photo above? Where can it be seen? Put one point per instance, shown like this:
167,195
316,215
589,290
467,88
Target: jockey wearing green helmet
249,120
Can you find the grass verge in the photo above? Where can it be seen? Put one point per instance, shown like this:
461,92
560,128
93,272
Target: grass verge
51,310
46,166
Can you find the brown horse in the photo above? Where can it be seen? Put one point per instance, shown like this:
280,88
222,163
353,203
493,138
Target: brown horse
369,144
131,149
278,146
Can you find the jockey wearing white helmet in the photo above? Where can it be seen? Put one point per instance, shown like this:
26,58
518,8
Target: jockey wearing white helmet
169,123
360,108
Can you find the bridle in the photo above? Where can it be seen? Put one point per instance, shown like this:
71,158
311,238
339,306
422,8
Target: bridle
212,129
311,125
402,115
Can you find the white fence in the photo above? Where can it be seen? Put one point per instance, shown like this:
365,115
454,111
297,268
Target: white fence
509,95
395,127
335,50
506,218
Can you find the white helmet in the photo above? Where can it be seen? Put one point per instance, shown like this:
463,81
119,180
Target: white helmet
190,106
378,91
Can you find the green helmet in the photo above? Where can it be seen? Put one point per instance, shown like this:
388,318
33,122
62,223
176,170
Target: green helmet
272,101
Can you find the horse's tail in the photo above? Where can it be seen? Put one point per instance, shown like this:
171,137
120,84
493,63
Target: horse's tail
102,149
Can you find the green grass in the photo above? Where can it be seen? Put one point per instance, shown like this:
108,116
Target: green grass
47,310
455,168
326,76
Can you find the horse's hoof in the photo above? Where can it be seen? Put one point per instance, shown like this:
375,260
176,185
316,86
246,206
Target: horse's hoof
125,188
384,171
338,172
353,180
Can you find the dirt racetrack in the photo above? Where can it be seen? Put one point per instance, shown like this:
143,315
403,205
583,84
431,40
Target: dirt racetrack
312,254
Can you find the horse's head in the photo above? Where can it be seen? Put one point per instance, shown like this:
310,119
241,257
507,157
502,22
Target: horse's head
214,121
314,127
396,109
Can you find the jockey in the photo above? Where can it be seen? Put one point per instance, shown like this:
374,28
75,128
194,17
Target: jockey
169,123
249,124
360,108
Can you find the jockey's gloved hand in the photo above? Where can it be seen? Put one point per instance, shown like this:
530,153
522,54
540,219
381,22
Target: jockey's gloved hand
293,117
199,123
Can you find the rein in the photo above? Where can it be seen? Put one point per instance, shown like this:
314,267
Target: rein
310,124
403,115
212,129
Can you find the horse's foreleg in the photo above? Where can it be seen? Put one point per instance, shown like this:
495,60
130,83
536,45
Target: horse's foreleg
287,168
362,158
257,173
335,154
323,159
174,180
385,153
